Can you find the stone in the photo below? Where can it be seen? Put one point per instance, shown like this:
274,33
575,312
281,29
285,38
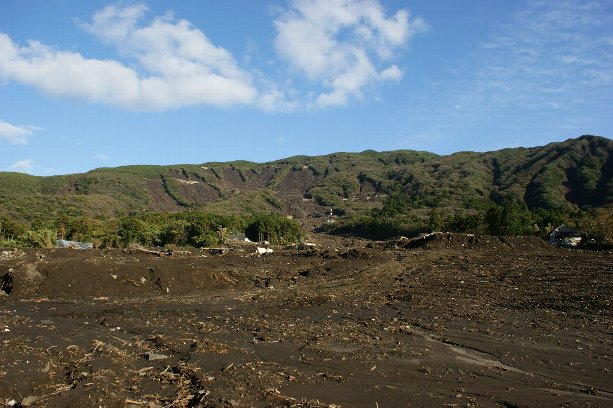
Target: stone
28,401
154,356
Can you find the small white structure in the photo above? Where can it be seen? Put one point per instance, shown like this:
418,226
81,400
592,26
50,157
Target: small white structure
238,237
264,251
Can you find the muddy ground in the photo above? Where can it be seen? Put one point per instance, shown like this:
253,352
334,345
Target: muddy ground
449,321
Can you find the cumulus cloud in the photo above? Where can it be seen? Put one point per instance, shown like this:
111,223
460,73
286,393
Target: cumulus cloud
176,65
101,157
340,46
342,43
392,73
23,166
16,134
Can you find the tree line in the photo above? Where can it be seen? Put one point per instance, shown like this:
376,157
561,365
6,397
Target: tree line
188,229
507,218
197,229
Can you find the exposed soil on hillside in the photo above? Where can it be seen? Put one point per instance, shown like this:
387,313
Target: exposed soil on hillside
448,321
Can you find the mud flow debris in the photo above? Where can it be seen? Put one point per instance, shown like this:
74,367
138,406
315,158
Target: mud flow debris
447,321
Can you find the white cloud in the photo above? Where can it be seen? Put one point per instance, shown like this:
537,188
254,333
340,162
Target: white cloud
101,157
548,55
16,134
339,43
340,46
548,65
393,73
114,23
176,65
23,166
274,100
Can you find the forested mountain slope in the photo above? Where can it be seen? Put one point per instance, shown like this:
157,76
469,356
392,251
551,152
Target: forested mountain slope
572,174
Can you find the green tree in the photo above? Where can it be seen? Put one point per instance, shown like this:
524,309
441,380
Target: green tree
509,219
174,232
470,223
436,221
598,224
43,238
273,228
394,205
547,220
10,229
135,230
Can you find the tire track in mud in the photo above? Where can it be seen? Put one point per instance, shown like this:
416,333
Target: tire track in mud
485,359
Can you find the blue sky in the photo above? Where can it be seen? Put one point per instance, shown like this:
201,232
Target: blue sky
102,84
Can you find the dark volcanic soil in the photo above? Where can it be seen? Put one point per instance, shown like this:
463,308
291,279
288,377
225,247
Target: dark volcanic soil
452,321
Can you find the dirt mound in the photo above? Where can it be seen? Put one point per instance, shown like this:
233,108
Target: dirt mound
65,272
448,240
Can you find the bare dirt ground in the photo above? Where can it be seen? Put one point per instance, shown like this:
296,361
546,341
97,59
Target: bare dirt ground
450,321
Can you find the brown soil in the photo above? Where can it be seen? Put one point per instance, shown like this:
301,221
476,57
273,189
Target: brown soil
295,182
160,200
449,321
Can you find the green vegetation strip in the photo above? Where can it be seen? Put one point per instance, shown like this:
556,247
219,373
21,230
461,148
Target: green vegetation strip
188,229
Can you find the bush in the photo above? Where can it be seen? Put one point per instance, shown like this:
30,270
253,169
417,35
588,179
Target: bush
272,200
598,224
324,197
44,238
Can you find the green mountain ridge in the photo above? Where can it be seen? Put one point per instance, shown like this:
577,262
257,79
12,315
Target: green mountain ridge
576,173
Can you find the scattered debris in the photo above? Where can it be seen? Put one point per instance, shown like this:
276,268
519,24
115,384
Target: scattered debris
28,401
61,243
347,323
239,238
565,236
157,252
263,251
155,356
12,254
189,182
138,248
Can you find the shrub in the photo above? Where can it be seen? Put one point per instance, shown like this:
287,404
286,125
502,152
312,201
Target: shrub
44,238
598,224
